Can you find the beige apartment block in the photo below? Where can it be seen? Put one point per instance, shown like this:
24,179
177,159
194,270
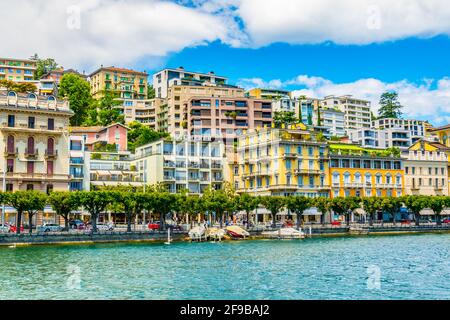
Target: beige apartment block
426,173
214,111
130,84
143,111
34,142
17,70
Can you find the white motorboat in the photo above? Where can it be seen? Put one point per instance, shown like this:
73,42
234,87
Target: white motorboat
215,233
197,233
284,233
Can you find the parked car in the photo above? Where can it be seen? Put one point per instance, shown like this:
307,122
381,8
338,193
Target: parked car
446,220
154,225
335,223
13,228
405,221
77,224
101,226
4,228
50,227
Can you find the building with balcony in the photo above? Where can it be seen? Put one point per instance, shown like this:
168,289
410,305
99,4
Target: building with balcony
381,138
49,82
269,94
363,172
110,169
426,173
210,112
416,128
129,84
97,138
357,111
166,78
77,163
333,120
143,111
281,162
183,164
17,70
34,139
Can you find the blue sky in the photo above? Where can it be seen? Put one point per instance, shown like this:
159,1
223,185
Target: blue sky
312,47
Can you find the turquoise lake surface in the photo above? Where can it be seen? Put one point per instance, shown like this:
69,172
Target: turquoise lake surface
384,267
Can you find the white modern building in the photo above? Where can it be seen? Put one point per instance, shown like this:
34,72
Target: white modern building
185,164
163,79
381,138
416,128
333,120
357,111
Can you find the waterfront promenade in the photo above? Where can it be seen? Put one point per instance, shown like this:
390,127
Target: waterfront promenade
140,234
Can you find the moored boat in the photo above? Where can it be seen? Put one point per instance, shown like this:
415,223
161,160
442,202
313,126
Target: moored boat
284,233
237,232
215,233
197,233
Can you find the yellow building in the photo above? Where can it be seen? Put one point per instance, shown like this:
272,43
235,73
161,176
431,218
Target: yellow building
355,171
17,70
271,94
130,84
281,162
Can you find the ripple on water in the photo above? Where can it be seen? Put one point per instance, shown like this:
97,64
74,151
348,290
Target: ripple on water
411,267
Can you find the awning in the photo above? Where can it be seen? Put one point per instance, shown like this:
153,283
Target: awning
101,172
429,212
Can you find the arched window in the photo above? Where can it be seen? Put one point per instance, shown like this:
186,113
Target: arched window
378,178
30,145
12,94
368,178
50,146
51,98
388,178
444,139
10,144
32,96
357,177
336,177
346,177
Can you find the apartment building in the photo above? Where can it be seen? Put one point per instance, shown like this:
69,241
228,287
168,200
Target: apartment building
281,162
129,84
143,111
111,169
99,137
381,138
426,173
34,137
184,164
357,111
77,168
49,82
269,94
164,79
355,171
213,112
17,70
284,105
333,120
416,128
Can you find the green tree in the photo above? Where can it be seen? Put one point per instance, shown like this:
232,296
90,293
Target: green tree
285,118
26,201
43,66
438,204
298,205
391,205
64,202
78,92
150,92
216,201
371,206
162,203
390,107
140,134
345,206
132,203
18,87
274,204
247,203
323,205
95,202
416,204
107,112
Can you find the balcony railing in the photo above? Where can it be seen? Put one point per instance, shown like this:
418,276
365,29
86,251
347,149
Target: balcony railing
11,151
31,152
51,153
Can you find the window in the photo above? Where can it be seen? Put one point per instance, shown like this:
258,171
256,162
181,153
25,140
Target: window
51,124
31,121
50,168
10,165
11,121
10,144
50,146
30,146
9,187
49,188
30,187
30,167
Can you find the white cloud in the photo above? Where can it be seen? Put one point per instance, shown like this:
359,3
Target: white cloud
428,100
342,22
110,31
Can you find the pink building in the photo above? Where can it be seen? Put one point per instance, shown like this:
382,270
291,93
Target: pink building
113,134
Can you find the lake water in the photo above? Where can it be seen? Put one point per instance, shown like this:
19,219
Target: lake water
387,267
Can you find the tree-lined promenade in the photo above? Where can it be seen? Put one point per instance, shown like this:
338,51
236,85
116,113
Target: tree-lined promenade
215,206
